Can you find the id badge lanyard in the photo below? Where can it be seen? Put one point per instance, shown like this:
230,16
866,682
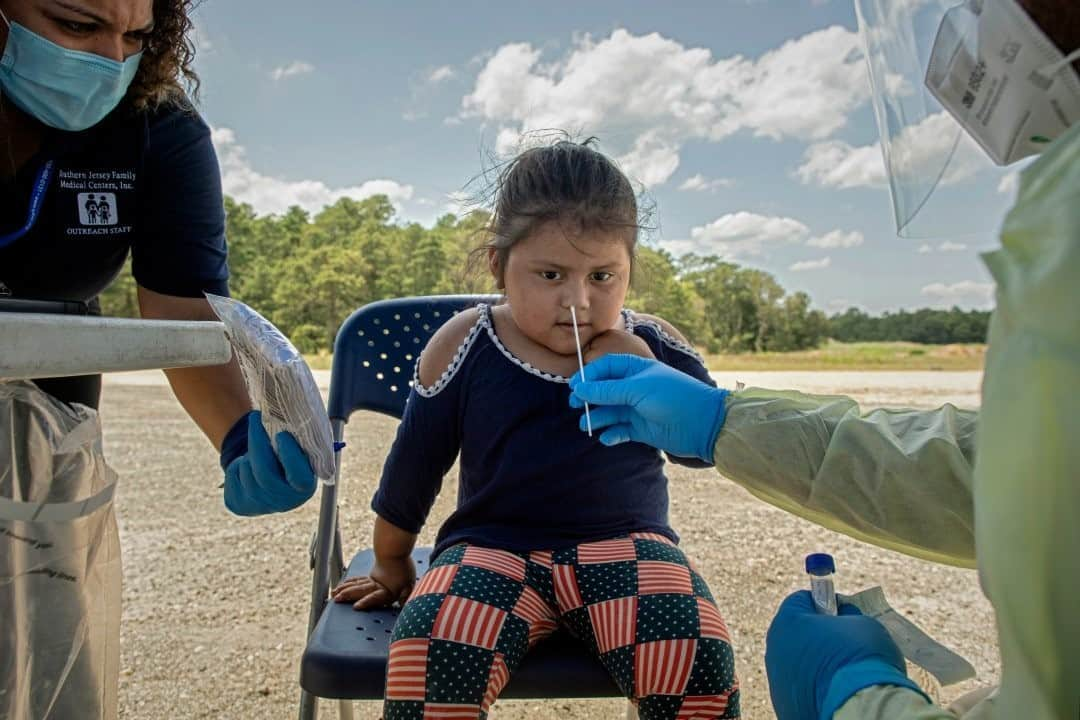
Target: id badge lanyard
37,198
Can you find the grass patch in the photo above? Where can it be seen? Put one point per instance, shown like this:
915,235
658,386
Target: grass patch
830,356
319,361
834,355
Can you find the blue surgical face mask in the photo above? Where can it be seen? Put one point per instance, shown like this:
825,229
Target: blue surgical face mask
65,89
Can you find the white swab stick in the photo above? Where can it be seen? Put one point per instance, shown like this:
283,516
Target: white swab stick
581,365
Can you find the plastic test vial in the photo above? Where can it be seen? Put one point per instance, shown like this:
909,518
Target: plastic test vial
822,568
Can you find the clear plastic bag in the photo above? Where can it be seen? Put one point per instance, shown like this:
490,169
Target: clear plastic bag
279,382
59,561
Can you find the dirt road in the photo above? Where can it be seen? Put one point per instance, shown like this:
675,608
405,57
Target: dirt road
215,606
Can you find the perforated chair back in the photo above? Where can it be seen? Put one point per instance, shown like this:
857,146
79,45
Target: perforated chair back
377,347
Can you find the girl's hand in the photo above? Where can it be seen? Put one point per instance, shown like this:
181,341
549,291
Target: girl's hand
391,580
616,342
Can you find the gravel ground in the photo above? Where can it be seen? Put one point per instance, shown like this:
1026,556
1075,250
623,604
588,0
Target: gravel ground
215,607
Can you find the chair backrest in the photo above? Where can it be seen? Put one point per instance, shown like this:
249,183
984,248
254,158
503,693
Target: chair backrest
376,350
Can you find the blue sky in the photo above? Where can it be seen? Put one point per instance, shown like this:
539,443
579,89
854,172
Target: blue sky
748,121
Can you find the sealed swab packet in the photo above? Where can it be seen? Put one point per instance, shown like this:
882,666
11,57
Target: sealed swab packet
279,382
914,643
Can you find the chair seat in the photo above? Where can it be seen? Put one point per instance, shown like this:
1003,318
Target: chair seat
346,654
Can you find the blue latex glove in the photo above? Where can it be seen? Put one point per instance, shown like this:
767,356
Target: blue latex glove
257,481
644,400
817,662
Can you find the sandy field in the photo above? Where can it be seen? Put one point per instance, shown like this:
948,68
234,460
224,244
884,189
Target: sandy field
215,606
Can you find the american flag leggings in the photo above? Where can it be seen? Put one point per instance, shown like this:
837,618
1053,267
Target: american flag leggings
634,601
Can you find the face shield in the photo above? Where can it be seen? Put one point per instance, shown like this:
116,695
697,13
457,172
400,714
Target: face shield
949,103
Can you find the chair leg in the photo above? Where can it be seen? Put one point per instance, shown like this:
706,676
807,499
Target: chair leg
337,558
345,710
309,706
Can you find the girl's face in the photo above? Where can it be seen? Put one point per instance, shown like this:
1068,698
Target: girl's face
114,29
545,275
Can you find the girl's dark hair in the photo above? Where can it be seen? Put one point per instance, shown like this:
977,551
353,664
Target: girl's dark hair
165,70
567,182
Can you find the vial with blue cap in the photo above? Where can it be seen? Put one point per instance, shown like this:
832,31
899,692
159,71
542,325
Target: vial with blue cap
822,568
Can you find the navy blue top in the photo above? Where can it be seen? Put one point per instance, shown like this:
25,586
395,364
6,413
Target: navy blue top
144,182
530,479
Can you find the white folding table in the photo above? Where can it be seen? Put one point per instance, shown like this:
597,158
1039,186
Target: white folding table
39,345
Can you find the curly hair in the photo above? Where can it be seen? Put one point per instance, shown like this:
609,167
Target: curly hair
165,74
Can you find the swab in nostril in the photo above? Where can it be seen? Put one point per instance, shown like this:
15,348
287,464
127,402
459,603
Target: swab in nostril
581,364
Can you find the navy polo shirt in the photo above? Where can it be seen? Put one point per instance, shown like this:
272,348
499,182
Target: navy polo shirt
145,183
530,478
141,182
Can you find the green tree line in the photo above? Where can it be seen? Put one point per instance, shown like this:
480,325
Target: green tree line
306,273
932,327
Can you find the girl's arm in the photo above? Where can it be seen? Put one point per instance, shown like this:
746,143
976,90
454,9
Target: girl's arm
392,576
427,442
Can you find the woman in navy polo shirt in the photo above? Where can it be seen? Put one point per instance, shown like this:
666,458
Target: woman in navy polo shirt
102,154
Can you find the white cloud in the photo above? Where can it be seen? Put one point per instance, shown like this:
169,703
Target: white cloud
439,74
274,195
652,160
918,150
837,239
700,183
658,94
1009,183
804,265
836,164
944,247
963,293
296,67
742,234
459,203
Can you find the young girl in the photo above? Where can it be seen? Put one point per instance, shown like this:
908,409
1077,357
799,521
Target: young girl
551,526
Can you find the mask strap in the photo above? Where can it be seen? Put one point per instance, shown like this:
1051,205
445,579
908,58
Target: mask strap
1054,68
6,21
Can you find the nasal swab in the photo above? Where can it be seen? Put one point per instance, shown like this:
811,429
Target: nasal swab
581,365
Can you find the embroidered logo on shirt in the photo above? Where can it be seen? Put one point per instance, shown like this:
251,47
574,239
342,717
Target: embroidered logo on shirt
97,208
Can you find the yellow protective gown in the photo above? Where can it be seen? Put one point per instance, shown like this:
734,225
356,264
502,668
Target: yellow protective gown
905,479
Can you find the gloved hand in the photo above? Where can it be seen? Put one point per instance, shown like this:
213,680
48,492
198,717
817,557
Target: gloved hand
646,401
257,481
815,662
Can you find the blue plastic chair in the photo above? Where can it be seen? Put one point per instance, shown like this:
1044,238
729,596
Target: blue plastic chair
345,658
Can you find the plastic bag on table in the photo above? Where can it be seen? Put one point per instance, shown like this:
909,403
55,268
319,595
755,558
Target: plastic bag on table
59,561
279,382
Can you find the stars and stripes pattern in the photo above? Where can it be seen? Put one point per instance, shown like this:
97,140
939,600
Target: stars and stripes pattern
663,667
541,617
497,679
407,669
614,623
649,619
663,577
468,622
449,711
567,592
712,623
541,557
656,537
607,551
436,580
504,563
705,707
